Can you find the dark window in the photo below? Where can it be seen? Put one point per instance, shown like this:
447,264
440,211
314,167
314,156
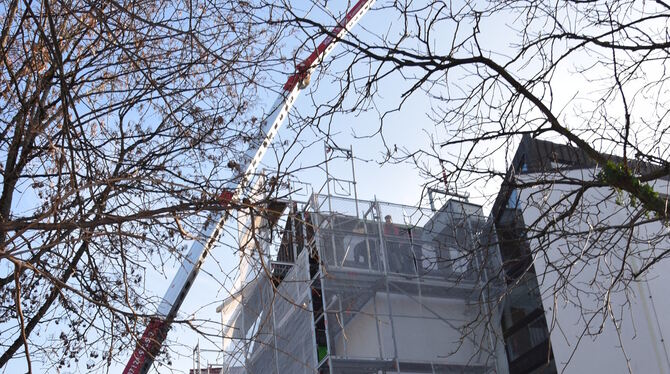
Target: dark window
525,328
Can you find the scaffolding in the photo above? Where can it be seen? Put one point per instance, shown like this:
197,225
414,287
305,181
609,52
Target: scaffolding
335,284
350,289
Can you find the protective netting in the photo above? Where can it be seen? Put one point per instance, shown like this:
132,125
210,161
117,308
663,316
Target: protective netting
374,288
403,297
284,341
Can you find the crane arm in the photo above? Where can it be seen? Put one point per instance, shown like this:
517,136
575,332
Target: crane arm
149,345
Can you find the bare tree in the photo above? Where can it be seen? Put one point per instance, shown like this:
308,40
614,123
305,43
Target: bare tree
121,124
588,74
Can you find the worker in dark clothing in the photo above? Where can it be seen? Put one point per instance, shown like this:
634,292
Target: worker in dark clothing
400,258
364,250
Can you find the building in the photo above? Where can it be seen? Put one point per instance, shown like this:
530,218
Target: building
341,285
570,255
351,286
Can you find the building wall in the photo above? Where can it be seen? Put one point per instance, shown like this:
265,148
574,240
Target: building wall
595,327
354,309
425,332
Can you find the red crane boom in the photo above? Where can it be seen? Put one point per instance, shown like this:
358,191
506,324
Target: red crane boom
151,341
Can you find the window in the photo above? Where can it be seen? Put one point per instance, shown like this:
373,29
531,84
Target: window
513,201
521,165
459,262
527,338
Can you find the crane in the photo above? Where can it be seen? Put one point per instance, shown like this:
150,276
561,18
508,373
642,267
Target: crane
155,333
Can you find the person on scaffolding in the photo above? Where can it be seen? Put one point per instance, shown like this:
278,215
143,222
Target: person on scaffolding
400,258
365,252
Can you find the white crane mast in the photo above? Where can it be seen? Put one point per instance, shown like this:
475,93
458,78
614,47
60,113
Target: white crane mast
151,341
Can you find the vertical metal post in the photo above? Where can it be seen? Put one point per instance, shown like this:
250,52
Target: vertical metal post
317,224
344,333
305,256
382,243
293,214
418,265
223,336
274,334
325,152
379,335
353,176
244,323
198,356
367,246
386,283
327,327
334,247
482,281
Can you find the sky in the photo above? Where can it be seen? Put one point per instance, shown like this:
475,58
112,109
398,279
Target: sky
402,183
217,274
410,127
398,183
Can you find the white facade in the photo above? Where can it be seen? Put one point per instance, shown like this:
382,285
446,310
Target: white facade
601,319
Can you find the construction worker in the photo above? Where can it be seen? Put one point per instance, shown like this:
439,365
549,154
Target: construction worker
400,259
